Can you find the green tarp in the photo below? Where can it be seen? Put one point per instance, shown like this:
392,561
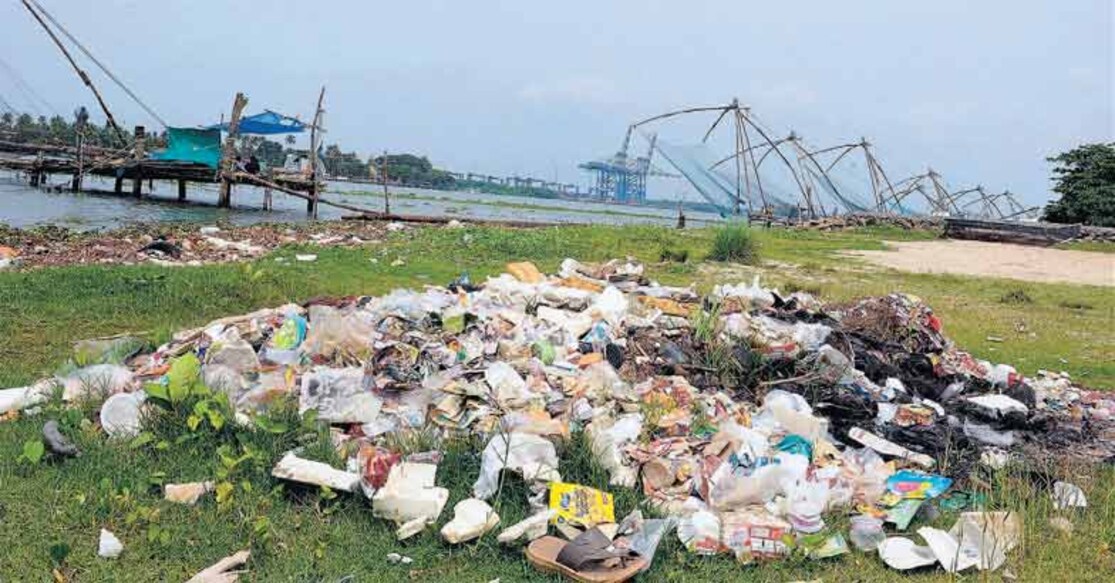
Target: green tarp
202,146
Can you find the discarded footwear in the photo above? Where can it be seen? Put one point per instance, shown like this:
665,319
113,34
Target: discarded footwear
589,558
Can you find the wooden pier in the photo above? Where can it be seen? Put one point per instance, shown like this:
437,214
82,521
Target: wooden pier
39,162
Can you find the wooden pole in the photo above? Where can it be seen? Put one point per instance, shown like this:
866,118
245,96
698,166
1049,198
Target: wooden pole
224,197
76,186
267,202
315,137
181,190
37,171
80,73
82,118
383,178
137,180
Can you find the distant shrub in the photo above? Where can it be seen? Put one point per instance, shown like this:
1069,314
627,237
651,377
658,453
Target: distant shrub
734,242
671,255
1075,305
792,286
1016,296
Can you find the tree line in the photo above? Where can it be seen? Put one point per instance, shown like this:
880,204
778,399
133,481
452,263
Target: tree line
23,127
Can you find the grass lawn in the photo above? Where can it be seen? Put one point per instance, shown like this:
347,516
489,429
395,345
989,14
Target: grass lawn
305,535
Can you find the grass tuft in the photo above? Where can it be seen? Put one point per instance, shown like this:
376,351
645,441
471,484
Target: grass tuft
671,255
1016,296
1075,305
734,243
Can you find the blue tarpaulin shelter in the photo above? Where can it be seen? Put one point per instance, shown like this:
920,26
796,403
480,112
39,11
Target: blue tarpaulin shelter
267,123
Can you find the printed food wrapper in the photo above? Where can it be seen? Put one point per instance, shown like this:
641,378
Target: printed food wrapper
580,505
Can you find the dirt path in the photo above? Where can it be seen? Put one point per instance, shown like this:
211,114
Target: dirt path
996,260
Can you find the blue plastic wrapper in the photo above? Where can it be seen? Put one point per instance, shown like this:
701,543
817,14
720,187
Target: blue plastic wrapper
916,485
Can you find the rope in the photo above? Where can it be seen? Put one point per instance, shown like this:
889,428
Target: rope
32,96
100,65
7,105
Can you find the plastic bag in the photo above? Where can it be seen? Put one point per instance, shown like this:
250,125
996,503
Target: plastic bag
607,438
867,532
988,536
508,387
645,540
756,535
410,494
868,474
753,296
811,336
700,533
99,379
232,351
611,305
532,455
791,413
335,333
806,501
338,395
603,384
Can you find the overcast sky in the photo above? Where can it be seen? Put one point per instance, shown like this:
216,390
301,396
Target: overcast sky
981,90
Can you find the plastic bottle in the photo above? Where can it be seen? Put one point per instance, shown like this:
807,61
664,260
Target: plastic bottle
867,532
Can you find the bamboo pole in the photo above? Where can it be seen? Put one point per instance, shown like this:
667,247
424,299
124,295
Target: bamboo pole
76,185
140,147
80,73
311,204
224,198
383,178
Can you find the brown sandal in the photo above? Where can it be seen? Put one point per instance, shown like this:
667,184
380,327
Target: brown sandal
585,559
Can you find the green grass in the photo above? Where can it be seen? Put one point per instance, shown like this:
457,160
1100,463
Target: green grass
734,243
299,534
1094,246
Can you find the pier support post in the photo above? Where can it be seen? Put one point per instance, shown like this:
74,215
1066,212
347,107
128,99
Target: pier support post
181,190
118,188
37,170
137,184
267,202
76,185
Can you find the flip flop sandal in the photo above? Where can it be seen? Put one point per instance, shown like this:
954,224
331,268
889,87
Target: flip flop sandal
585,559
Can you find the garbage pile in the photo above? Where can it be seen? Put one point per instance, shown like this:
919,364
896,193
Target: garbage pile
173,244
745,417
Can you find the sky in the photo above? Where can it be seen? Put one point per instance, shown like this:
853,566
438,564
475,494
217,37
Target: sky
981,91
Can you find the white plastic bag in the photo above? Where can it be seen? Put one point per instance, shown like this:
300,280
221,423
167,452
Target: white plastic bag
338,395
530,454
508,387
700,533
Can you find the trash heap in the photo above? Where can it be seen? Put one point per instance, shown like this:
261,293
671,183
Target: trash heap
745,417
176,244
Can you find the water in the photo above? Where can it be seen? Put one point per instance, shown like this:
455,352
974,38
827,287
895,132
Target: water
22,206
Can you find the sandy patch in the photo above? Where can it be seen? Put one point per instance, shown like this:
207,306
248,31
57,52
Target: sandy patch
996,260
